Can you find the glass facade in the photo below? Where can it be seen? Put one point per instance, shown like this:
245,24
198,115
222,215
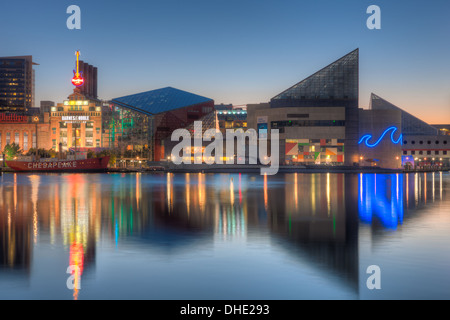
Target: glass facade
161,100
339,80
141,124
410,124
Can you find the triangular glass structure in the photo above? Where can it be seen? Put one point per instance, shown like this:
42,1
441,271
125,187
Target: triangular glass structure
338,80
410,124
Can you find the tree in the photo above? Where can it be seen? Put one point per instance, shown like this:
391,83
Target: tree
12,150
91,154
42,153
112,153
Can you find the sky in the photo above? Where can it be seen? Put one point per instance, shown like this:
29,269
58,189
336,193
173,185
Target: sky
236,51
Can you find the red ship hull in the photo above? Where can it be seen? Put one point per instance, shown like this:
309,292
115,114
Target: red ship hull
84,165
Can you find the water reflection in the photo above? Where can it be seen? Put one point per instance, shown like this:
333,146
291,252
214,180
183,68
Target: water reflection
314,218
381,197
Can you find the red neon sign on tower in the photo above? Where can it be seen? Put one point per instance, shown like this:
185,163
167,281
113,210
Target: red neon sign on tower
77,80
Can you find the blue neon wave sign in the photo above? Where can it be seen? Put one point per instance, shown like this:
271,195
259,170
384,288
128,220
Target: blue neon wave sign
367,137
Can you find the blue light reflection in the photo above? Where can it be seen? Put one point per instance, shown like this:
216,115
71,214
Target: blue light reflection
381,196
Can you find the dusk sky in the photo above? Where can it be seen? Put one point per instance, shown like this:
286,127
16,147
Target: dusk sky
236,51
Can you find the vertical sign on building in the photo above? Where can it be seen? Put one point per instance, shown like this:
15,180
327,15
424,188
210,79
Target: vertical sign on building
262,127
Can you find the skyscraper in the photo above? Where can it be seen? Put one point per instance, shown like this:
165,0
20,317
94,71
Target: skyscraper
89,87
16,84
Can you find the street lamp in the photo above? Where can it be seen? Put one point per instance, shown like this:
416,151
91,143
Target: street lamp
36,121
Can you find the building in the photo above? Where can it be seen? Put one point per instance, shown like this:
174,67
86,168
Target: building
380,138
76,123
16,84
21,130
317,118
231,117
444,129
145,121
46,106
89,74
422,145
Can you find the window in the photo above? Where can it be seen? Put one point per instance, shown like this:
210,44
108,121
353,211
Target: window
420,142
54,143
429,142
298,115
413,142
89,142
54,130
405,142
405,152
444,153
421,152
437,142
34,140
413,152
98,130
428,152
97,142
307,123
17,138
445,142
436,153
25,141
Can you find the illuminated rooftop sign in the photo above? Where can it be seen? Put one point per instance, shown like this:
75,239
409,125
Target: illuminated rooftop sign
75,119
76,102
77,80
365,139
12,118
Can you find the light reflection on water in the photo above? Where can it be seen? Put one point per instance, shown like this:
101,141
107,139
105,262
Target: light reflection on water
224,236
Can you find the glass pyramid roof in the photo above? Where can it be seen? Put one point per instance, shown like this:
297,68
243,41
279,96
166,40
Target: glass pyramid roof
160,100
338,80
410,124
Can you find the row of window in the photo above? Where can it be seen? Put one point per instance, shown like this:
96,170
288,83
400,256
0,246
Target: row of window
88,142
17,140
89,130
429,152
92,114
307,123
422,142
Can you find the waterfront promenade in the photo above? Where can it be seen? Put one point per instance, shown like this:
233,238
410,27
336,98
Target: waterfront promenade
203,168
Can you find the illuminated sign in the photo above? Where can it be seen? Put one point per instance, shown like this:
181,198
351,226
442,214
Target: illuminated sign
12,118
76,102
77,80
52,165
75,119
365,139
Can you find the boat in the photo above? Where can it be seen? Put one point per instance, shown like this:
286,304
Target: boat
60,165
